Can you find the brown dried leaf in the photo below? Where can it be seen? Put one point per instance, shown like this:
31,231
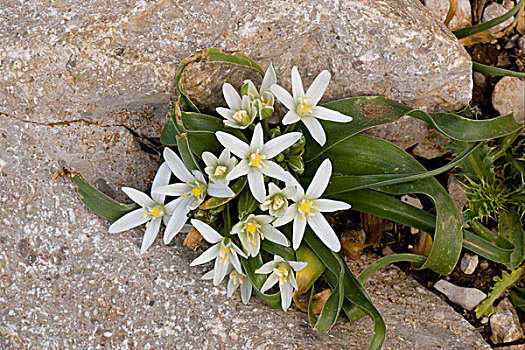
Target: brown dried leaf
424,244
319,300
353,250
373,227
193,239
452,8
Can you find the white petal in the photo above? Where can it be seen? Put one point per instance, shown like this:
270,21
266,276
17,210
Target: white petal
208,255
273,189
280,143
129,221
274,235
246,290
209,234
177,166
171,206
220,191
224,157
270,282
234,124
275,171
138,197
232,97
269,79
299,193
291,117
257,138
161,179
286,295
231,287
329,205
236,146
316,129
256,183
252,249
238,251
329,114
288,216
293,281
236,263
173,189
266,268
297,265
318,87
208,275
221,268
297,84
283,96
226,112
151,233
320,180
240,169
299,225
261,219
324,231
177,221
209,159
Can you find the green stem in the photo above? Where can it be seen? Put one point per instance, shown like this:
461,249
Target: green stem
266,129
289,128
227,220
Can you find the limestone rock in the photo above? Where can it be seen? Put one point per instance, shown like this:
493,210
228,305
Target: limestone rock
509,97
467,298
494,10
456,190
469,262
505,324
462,18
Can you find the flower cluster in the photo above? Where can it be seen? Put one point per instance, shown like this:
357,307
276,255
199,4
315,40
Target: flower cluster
269,161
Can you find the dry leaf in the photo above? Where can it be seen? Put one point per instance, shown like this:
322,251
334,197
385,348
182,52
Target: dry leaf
373,227
353,250
193,239
423,244
452,8
318,301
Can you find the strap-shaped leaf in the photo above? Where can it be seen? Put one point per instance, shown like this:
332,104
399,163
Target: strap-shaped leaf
387,260
215,202
495,71
257,280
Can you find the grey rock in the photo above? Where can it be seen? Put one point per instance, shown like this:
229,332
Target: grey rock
462,18
505,324
467,298
494,10
469,262
509,97
456,190
432,146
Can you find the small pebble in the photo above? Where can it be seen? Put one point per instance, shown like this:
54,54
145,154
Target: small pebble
484,320
494,10
412,201
483,265
509,97
521,43
387,251
467,298
505,324
469,263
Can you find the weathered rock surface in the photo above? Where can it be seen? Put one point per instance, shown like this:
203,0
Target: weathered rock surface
469,262
494,10
505,323
462,17
509,97
467,298
66,283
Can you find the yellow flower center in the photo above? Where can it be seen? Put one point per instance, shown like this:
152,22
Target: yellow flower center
224,253
304,105
251,228
256,159
196,191
220,170
155,212
306,208
278,202
236,277
241,116
282,273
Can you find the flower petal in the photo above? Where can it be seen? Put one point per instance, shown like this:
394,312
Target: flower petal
266,268
297,84
270,282
161,179
297,265
138,197
257,138
221,268
239,170
177,166
151,233
299,225
224,157
177,221
246,290
274,170
290,118
286,295
274,235
329,205
232,97
320,180
316,129
236,146
324,231
220,191
226,113
288,216
329,114
236,263
256,183
231,287
280,143
209,159
269,79
293,281
208,275
318,87
209,234
129,221
208,255
283,96
173,189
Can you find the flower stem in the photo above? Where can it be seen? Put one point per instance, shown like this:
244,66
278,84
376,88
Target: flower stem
289,128
266,129
227,220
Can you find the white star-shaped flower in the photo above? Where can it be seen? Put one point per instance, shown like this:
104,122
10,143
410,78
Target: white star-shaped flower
218,168
308,209
256,228
277,200
192,192
265,100
224,251
255,158
236,279
282,271
303,106
241,111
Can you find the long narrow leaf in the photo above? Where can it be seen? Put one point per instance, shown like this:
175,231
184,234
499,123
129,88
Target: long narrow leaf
495,71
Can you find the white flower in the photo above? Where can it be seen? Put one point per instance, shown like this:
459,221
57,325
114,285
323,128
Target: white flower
224,251
304,106
282,271
192,192
152,211
265,100
308,208
255,158
277,200
218,168
241,112
256,228
236,279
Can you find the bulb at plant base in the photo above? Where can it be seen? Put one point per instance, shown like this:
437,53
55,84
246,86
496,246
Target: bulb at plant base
255,229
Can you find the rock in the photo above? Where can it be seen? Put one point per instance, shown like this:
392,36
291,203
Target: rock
387,251
467,298
456,190
432,146
483,264
521,43
505,324
509,97
413,201
512,347
462,18
492,11
469,263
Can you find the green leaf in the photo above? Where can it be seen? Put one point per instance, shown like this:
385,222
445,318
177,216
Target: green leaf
464,32
517,295
495,71
485,248
307,276
257,280
247,203
387,260
215,202
510,226
95,200
311,315
333,304
286,253
185,152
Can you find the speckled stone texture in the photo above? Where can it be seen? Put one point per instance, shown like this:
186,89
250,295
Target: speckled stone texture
85,84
